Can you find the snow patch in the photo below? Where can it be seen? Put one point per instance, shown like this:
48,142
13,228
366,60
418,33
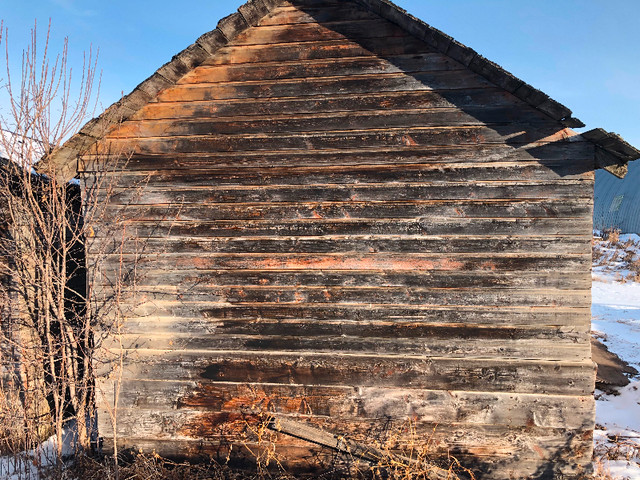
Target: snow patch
32,464
616,320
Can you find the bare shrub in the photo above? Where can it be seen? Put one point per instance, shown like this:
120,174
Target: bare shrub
615,448
598,256
51,308
612,235
387,450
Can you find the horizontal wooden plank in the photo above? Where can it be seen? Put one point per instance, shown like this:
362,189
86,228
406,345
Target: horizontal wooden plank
441,81
556,156
399,263
382,138
312,227
471,374
385,330
288,15
344,175
368,295
164,424
351,29
472,101
579,318
577,280
324,49
341,66
331,122
514,410
453,347
296,459
381,192
347,210
552,245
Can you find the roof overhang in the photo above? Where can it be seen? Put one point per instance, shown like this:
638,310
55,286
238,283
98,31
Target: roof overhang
613,153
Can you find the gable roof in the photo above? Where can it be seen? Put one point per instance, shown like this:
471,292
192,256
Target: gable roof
612,153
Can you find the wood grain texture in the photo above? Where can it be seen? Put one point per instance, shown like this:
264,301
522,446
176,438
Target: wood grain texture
477,408
364,370
320,123
556,156
406,316
330,219
364,139
316,50
285,339
352,28
425,244
343,66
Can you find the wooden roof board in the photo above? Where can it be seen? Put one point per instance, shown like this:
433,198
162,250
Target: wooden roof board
613,148
613,153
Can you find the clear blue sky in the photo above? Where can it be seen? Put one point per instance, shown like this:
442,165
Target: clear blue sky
583,53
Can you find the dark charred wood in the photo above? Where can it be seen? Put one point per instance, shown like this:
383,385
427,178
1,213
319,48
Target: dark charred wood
316,50
552,155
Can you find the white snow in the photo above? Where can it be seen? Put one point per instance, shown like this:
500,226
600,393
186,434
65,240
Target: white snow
615,310
29,465
616,320
21,149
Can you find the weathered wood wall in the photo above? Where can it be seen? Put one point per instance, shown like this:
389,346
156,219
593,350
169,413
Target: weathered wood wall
345,226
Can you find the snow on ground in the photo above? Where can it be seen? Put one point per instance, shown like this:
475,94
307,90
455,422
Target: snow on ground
616,320
615,310
29,465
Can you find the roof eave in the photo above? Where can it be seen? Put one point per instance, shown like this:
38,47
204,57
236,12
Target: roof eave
613,153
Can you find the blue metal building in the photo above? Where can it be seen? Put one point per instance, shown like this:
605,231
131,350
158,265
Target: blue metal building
617,200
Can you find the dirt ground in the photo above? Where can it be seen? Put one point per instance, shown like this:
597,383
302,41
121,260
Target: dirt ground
612,370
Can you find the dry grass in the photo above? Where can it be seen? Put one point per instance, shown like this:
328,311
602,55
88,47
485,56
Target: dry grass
387,451
612,254
618,448
402,454
135,466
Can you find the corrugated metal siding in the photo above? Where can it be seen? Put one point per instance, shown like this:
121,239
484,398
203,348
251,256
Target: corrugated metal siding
617,201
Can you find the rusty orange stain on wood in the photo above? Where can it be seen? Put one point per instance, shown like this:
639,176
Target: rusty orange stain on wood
363,263
488,265
539,451
408,141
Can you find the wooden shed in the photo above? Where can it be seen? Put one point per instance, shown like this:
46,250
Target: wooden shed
344,216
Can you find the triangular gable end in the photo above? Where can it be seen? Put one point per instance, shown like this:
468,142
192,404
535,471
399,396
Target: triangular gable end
613,153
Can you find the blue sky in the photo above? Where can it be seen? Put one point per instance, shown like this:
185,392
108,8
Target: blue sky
585,54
